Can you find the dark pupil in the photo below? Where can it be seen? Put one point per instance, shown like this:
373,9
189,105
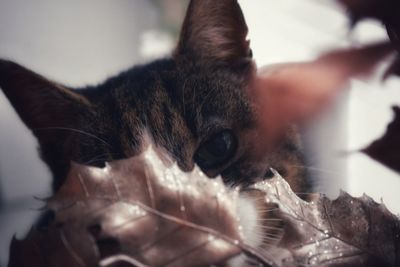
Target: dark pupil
218,149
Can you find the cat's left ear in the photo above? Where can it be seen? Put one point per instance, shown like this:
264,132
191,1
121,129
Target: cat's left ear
40,103
214,31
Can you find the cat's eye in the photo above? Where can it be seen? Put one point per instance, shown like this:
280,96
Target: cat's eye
216,150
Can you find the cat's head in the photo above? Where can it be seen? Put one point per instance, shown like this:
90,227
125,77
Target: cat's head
195,105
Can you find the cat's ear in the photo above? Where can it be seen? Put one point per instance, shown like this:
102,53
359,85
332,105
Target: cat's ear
214,31
39,102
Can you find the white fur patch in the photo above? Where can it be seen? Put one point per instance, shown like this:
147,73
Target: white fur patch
252,231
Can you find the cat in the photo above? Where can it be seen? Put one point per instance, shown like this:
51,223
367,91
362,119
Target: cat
194,104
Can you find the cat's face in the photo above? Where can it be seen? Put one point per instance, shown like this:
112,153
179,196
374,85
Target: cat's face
195,105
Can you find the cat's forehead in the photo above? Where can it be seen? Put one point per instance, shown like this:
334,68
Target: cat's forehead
216,95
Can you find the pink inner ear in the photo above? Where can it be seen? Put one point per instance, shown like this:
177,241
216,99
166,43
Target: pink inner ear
214,32
296,93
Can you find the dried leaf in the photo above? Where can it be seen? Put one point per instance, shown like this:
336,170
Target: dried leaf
394,69
386,150
142,212
344,232
135,212
387,11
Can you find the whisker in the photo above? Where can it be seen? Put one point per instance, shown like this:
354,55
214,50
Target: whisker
271,238
272,220
251,261
95,161
267,210
264,212
303,193
74,130
101,157
272,228
263,220
314,169
266,243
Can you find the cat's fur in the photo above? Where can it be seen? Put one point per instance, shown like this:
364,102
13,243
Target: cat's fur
181,101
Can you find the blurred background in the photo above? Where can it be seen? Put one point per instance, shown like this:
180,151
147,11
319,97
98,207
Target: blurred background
79,42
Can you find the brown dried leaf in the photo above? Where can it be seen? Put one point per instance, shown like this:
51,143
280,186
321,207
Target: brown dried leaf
386,150
140,212
135,212
344,232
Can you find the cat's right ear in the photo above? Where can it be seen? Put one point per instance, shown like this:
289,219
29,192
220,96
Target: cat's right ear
40,103
214,31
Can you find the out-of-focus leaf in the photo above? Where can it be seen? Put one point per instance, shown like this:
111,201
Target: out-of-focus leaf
386,150
135,212
297,93
393,69
386,11
344,232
